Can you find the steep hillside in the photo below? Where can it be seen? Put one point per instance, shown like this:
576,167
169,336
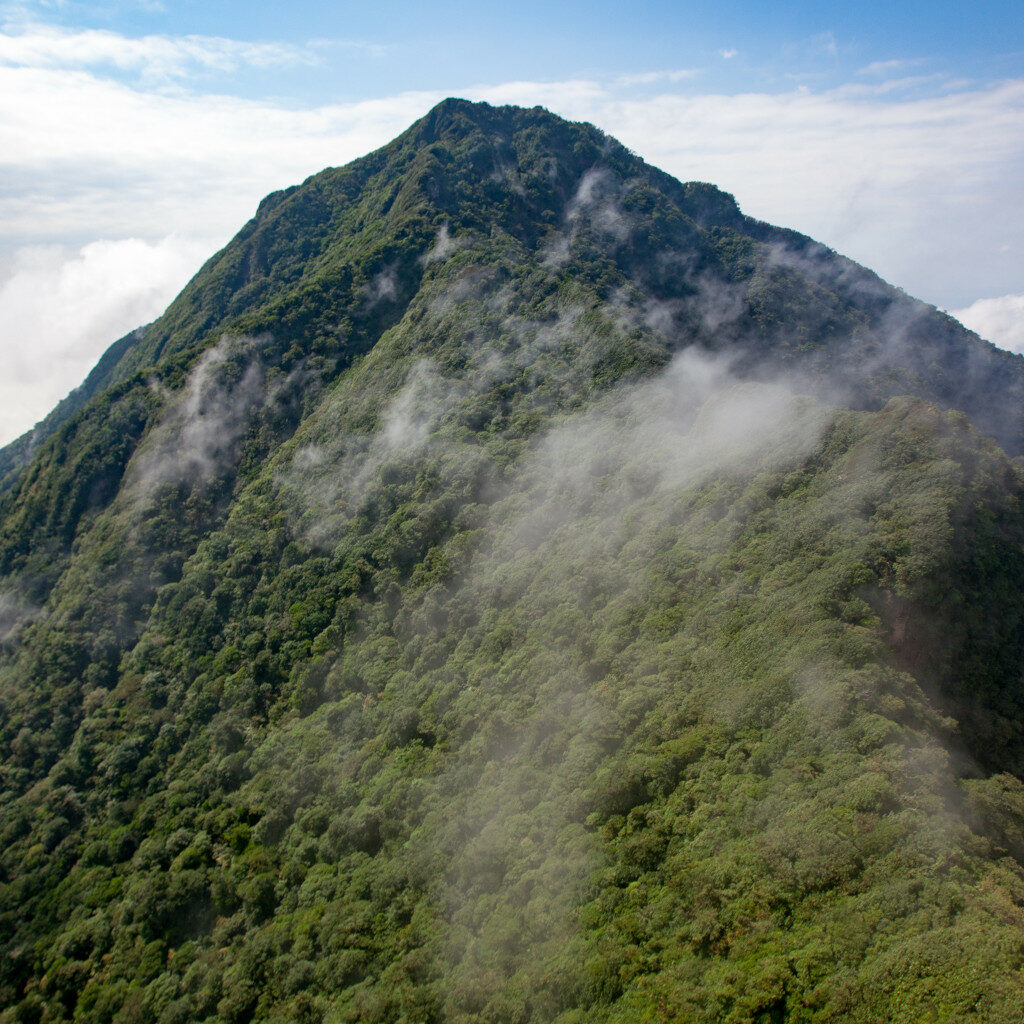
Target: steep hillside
504,586
304,268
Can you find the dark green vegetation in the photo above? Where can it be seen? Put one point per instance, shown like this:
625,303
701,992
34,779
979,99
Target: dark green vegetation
409,626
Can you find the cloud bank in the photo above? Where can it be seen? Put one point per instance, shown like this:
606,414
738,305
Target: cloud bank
60,308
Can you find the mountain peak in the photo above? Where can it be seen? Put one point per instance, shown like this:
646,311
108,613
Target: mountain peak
456,112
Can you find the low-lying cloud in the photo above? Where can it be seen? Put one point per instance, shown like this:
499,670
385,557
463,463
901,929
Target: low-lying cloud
198,431
445,245
15,611
326,484
557,548
658,437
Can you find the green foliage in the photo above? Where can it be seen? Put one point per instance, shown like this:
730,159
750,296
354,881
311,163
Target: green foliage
420,689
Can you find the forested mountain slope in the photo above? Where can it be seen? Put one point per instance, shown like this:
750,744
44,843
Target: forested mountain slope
505,586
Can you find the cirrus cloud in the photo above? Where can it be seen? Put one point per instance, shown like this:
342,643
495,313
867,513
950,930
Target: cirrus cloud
48,47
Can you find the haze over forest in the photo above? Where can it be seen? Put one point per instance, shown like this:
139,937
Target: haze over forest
507,584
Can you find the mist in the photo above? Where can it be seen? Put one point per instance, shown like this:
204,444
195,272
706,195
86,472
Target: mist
200,426
15,612
610,508
561,546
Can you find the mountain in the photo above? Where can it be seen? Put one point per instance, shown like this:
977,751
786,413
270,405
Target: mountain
509,584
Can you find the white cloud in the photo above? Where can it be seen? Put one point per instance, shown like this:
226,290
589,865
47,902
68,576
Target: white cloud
1000,320
567,94
727,54
154,56
159,57
61,309
885,67
86,157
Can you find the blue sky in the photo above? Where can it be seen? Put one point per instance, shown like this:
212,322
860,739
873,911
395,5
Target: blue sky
369,49
137,137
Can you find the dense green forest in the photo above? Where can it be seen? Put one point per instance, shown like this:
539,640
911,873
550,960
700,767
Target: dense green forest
511,585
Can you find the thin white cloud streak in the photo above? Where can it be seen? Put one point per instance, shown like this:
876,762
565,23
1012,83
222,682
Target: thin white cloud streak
154,56
60,309
824,42
1000,320
885,67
